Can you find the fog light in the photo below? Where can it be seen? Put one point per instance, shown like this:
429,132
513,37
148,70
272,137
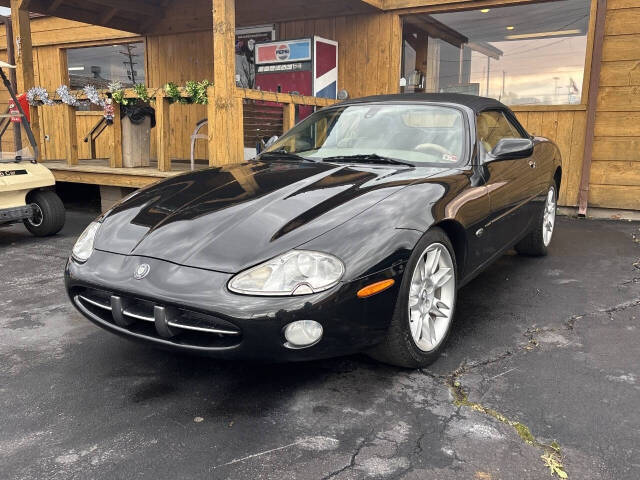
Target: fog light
302,333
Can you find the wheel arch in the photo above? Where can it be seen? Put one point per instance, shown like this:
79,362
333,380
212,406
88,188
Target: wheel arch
458,238
557,176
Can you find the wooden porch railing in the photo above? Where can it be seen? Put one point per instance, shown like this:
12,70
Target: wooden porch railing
288,100
162,107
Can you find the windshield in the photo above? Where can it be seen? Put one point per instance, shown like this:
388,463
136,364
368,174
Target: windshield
419,134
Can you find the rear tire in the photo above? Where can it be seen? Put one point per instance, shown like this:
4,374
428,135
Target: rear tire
537,241
49,216
408,344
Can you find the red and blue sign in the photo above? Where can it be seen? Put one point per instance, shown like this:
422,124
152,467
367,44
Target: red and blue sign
306,66
283,52
325,78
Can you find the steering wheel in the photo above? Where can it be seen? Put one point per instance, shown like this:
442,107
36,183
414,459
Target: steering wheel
432,147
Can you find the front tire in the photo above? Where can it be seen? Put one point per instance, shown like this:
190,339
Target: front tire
537,241
425,306
48,216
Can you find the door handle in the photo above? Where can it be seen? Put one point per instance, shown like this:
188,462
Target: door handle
532,164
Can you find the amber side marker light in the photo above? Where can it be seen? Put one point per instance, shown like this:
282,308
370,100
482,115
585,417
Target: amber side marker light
374,288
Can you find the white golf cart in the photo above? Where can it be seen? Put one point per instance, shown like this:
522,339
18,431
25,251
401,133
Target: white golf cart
26,186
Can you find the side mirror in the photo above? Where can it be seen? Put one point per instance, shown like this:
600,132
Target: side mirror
271,141
262,145
510,148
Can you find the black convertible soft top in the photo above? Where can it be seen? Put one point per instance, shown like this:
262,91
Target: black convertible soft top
475,103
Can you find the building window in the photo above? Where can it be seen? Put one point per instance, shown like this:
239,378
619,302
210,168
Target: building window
521,55
98,66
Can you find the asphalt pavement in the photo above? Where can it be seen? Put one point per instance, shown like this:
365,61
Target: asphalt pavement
542,371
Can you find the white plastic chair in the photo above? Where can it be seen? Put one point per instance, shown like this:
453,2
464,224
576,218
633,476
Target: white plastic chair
195,137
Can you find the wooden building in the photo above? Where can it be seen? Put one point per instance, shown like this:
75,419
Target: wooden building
503,48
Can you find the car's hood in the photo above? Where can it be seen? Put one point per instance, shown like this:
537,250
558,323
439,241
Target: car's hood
229,218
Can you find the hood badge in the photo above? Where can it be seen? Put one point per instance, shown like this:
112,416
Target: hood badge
142,271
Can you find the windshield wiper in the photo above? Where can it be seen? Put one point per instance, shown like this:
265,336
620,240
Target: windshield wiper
367,158
282,153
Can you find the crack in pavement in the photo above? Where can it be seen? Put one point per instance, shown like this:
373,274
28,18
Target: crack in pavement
465,367
633,280
552,454
352,462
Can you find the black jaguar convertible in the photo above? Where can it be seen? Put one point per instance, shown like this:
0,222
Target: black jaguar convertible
352,232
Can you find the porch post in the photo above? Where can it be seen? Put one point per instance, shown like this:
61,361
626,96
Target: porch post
592,106
115,160
225,108
68,117
288,116
163,132
71,129
24,59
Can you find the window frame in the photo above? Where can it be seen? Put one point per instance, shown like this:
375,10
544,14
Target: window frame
63,57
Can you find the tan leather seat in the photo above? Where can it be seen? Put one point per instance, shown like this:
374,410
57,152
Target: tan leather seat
484,130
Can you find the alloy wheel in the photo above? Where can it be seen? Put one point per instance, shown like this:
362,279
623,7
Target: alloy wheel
549,218
431,297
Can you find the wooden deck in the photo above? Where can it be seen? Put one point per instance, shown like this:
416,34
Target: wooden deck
98,172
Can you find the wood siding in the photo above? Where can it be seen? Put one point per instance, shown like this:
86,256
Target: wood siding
370,57
615,171
179,58
567,129
370,49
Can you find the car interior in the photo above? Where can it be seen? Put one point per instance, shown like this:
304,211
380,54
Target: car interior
492,126
399,130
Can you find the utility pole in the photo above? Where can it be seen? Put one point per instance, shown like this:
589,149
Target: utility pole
504,74
130,63
488,73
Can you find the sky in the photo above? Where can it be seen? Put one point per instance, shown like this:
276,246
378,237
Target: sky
5,11
540,69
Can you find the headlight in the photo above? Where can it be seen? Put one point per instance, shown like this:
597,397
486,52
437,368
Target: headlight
83,248
298,272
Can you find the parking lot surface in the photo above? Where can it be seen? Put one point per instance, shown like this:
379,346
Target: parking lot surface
543,350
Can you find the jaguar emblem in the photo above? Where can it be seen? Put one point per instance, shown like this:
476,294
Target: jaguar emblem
141,271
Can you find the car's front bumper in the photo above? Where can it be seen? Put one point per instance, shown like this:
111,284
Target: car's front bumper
251,327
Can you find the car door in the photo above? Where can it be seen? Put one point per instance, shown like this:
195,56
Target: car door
511,183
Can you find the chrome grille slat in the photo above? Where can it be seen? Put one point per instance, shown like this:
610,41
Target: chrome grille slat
138,316
94,303
203,329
